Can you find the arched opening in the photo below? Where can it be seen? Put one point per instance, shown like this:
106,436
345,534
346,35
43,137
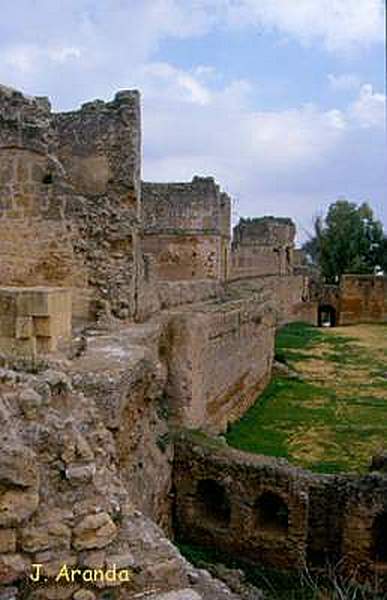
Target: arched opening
326,316
214,502
272,513
379,538
47,179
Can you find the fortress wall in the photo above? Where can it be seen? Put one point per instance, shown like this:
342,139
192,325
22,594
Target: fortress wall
219,359
262,246
289,296
187,229
263,509
363,298
69,199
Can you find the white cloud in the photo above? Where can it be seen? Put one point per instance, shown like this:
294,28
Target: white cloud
285,162
339,24
344,82
368,110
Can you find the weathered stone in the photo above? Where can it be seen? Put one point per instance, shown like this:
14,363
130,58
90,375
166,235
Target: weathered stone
7,540
13,567
19,474
179,595
30,402
78,474
9,593
84,594
94,531
50,536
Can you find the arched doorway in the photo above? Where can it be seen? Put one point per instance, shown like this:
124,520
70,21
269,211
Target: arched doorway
272,513
327,316
214,502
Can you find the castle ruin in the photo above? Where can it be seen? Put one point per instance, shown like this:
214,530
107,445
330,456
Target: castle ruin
127,314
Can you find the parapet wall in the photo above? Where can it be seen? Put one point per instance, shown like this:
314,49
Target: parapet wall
263,509
187,229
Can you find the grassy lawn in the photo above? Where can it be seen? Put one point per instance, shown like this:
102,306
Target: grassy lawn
334,416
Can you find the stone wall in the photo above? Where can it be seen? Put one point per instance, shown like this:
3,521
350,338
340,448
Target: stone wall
357,299
262,246
288,296
187,229
67,500
70,199
363,298
264,510
218,358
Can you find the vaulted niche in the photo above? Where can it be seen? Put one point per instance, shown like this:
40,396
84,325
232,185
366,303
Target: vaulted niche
272,513
214,502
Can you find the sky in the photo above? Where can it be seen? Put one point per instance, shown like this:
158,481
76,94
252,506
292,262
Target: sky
282,101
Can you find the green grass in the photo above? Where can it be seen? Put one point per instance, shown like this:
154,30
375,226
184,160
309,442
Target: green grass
329,421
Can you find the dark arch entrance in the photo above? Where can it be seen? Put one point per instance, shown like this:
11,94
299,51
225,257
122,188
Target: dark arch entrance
272,512
379,538
214,502
327,316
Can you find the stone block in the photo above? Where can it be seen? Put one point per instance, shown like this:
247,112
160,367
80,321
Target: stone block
186,594
7,325
44,345
23,328
94,531
13,567
51,536
7,540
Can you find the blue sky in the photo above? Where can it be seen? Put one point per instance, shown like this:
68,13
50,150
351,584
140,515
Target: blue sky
281,100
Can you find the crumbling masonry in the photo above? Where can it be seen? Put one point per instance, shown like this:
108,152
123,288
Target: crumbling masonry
126,313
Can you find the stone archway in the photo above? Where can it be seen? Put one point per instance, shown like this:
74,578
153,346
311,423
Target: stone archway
327,316
272,512
214,502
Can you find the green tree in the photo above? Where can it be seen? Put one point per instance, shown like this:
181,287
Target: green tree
348,240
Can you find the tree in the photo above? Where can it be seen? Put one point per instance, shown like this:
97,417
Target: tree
348,240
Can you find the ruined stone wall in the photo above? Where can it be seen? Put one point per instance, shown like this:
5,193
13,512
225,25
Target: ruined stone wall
68,492
363,298
219,358
288,296
187,229
263,509
36,239
70,199
262,246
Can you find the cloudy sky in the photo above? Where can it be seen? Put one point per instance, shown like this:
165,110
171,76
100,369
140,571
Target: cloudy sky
281,100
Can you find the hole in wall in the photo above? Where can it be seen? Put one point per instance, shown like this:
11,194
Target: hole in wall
327,316
214,502
272,512
47,179
379,538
